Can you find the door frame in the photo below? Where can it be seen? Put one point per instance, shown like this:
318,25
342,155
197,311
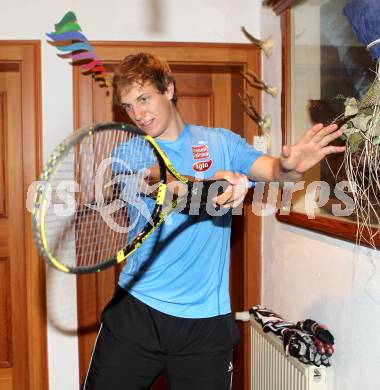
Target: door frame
27,53
248,57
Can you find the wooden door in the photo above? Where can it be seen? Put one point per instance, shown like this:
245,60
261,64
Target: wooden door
22,296
208,94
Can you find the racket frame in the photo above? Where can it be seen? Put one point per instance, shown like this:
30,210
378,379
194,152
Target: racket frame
41,200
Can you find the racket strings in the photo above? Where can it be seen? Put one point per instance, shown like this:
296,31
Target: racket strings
104,197
101,197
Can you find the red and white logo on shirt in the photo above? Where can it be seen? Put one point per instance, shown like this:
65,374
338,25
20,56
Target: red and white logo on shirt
202,157
200,152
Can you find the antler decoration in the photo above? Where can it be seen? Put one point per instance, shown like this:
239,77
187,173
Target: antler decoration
249,108
266,46
254,81
68,39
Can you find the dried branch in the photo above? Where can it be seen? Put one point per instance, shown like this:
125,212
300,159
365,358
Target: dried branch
249,108
254,81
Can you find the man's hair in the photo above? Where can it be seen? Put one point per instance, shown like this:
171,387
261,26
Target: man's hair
141,68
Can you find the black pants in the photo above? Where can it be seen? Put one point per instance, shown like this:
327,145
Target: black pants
136,343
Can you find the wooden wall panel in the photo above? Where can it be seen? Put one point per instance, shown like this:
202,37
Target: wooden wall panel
201,107
5,315
3,159
23,350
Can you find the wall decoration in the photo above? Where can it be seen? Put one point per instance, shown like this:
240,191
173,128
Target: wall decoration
266,46
249,108
69,40
254,81
263,122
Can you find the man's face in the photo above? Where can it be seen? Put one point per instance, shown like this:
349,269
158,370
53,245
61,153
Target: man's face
150,110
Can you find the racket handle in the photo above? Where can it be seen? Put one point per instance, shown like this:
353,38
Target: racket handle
201,192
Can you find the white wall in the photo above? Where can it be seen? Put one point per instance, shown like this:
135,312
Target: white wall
309,275
151,20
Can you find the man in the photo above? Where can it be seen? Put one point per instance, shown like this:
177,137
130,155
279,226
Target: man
171,312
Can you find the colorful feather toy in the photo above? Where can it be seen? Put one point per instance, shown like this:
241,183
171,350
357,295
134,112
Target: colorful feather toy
73,44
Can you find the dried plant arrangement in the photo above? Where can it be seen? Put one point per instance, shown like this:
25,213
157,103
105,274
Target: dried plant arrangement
361,128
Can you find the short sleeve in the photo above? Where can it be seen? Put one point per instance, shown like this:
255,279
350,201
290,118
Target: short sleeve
242,154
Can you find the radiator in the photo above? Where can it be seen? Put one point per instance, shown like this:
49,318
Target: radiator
272,370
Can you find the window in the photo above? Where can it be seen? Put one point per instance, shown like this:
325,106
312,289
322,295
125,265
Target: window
323,65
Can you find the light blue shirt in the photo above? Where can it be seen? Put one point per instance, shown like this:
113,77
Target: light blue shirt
183,268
